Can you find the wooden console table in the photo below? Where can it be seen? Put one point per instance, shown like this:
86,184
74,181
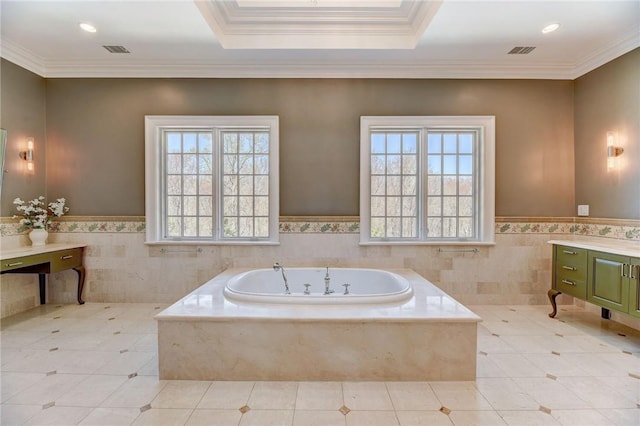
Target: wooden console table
45,260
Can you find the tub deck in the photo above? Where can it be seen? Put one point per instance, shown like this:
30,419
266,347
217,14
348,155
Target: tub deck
205,337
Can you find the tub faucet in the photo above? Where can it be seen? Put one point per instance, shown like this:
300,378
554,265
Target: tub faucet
327,283
277,267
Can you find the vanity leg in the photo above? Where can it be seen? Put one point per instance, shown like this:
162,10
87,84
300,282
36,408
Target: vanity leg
42,280
553,293
80,271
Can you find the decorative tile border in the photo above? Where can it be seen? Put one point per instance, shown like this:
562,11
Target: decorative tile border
604,228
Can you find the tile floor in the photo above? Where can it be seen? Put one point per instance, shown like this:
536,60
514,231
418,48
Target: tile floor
97,365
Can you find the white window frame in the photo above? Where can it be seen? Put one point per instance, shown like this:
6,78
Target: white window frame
486,174
155,125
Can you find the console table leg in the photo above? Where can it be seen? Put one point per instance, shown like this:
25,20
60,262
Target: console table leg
553,293
80,271
42,280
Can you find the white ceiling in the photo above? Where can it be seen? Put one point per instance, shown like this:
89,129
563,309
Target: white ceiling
317,38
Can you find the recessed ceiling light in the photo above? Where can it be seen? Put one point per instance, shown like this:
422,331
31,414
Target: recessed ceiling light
550,28
88,27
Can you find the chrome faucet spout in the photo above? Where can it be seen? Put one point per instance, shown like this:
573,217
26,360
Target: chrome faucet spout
327,283
278,267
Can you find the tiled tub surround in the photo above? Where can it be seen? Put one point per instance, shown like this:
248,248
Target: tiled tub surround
121,268
204,336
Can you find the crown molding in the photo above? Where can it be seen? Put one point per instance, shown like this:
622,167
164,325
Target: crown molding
22,57
435,70
601,56
319,25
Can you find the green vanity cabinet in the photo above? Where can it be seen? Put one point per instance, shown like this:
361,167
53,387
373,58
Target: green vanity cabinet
605,275
608,281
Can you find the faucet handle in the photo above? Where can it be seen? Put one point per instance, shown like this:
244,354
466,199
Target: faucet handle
346,288
306,289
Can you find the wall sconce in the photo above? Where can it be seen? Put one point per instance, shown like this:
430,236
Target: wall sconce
613,150
28,155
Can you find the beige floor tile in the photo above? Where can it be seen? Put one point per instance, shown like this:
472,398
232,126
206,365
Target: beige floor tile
550,393
366,396
319,396
135,393
163,417
486,367
269,395
125,363
111,417
12,383
412,396
460,396
91,391
516,365
226,395
505,394
580,418
57,416
593,385
494,344
622,417
180,394
18,414
318,418
476,418
597,394
528,418
372,418
206,417
48,389
423,418
556,365
267,418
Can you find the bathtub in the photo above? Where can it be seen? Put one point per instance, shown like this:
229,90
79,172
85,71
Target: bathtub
230,329
363,286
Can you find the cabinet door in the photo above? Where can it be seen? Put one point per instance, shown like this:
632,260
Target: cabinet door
607,285
634,287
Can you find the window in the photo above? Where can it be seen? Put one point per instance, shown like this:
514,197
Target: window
212,179
427,179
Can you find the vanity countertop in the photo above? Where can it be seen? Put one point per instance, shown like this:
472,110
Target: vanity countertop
621,247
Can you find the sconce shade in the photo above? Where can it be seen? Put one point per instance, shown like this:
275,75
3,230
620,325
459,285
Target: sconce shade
28,155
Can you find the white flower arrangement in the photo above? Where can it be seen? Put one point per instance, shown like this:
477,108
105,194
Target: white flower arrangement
36,214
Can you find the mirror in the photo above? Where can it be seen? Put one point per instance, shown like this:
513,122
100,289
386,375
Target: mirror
3,150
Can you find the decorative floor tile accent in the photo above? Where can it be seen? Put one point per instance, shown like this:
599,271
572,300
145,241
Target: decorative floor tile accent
51,373
244,409
545,409
145,408
48,405
552,377
132,375
445,410
344,410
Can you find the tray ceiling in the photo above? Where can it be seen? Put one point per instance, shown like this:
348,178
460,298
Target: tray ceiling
317,38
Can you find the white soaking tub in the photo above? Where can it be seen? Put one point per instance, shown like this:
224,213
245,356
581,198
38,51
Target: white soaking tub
220,332
308,286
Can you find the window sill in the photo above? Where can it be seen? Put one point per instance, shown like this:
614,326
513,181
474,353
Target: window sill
212,243
430,243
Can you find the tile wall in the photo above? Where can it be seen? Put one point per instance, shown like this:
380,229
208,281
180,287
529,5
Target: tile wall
121,268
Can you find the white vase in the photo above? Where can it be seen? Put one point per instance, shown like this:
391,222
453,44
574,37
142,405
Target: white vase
38,237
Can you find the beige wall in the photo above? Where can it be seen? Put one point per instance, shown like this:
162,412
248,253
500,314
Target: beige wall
608,98
95,135
23,116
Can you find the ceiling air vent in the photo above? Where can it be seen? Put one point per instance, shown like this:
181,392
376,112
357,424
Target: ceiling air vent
116,49
521,50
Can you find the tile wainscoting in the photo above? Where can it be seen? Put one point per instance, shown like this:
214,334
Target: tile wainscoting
121,268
